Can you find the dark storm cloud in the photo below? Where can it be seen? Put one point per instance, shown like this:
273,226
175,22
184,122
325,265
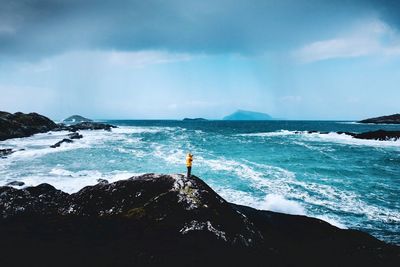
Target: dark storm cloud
35,28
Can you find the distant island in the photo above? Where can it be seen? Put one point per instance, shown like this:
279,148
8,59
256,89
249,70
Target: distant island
76,119
244,115
390,119
194,119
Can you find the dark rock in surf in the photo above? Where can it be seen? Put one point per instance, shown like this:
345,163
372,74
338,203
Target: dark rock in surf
75,135
169,220
58,144
381,135
5,152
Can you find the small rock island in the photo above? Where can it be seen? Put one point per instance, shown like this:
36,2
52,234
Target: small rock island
245,115
76,119
194,119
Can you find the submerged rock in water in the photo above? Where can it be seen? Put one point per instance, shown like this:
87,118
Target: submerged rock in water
23,125
169,220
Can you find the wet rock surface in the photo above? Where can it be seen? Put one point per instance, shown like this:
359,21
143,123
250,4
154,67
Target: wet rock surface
168,220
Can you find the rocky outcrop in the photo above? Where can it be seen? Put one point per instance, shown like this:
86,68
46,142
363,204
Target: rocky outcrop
90,126
168,220
23,125
390,119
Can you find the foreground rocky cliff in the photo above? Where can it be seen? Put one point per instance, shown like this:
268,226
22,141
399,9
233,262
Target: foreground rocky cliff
168,220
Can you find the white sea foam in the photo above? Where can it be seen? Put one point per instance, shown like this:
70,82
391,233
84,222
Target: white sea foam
140,130
269,134
277,182
273,202
70,181
280,204
349,140
327,137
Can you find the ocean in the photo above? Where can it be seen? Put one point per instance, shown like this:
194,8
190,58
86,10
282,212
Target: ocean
272,165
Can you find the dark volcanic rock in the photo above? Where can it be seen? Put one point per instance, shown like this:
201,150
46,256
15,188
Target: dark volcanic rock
168,220
23,125
58,144
391,119
91,126
75,135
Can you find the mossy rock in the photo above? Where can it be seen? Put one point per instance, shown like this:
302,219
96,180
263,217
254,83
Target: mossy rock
136,213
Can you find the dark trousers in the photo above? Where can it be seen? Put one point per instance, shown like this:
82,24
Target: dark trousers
189,171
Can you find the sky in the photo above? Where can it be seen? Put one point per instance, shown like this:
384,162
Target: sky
159,59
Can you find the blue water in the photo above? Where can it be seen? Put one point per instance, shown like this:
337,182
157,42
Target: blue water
348,182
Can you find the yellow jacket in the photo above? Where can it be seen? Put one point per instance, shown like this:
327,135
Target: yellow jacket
189,160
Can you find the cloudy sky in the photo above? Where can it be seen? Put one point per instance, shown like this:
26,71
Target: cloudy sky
299,59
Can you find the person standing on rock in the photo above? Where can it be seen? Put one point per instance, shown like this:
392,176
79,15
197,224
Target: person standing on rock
189,159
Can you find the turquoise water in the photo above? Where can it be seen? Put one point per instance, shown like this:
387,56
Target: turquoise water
348,182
